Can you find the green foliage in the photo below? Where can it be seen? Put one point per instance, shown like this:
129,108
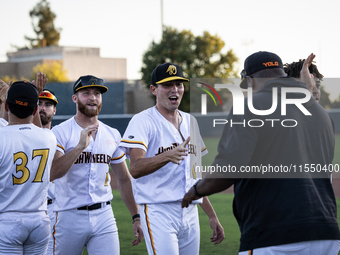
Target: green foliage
54,71
198,56
7,79
43,25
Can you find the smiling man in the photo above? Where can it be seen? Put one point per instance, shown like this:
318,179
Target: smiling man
156,142
86,148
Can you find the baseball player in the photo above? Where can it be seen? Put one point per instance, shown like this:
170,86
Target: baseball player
156,142
86,148
26,154
47,109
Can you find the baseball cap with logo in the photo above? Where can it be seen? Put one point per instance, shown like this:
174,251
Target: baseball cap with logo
257,62
48,95
167,72
89,81
23,94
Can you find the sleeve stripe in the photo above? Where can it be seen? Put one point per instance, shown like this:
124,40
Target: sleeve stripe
134,142
203,149
61,147
118,157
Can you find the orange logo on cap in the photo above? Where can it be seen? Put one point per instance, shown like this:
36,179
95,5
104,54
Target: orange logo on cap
271,64
172,70
21,103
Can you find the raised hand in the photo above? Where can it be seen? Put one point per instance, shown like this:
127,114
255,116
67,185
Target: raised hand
85,135
305,75
177,154
40,82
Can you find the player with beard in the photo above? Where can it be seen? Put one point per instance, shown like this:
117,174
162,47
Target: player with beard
47,107
86,148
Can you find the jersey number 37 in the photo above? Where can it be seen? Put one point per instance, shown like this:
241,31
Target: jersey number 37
22,167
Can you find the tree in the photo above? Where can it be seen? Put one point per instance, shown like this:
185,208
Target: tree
54,71
43,25
198,56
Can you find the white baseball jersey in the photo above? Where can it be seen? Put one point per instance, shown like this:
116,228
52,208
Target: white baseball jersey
153,133
3,122
88,180
51,191
26,154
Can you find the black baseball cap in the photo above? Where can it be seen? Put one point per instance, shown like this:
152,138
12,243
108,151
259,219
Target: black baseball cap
48,95
257,62
88,81
167,72
24,94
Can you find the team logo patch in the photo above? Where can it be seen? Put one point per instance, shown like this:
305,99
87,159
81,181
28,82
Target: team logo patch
131,137
21,103
93,81
172,70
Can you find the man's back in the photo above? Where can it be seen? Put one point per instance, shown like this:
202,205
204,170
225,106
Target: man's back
292,205
26,151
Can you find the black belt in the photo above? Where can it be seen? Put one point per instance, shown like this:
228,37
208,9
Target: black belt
93,207
49,201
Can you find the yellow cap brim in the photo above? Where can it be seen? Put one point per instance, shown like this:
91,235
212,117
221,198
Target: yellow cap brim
172,78
102,88
46,98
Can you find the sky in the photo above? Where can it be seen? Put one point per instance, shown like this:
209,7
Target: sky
124,29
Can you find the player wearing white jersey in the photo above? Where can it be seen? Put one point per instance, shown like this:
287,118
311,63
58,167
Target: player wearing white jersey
155,141
86,148
47,109
26,154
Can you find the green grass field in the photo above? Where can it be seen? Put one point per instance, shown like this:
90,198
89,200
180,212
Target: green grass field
222,204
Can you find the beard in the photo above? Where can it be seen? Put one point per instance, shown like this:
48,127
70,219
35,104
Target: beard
45,118
89,112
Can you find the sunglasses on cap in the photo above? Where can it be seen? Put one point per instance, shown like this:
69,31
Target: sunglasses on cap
48,95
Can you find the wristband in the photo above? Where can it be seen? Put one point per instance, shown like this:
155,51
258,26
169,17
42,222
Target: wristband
135,216
195,191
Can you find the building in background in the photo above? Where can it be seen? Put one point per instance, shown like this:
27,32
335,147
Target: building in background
77,61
